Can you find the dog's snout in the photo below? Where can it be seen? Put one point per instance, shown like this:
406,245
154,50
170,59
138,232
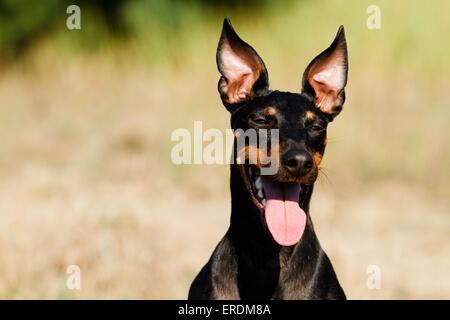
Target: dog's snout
298,162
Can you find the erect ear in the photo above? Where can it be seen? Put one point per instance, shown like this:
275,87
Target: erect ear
244,74
326,76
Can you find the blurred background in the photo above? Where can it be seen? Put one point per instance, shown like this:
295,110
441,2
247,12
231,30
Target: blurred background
85,122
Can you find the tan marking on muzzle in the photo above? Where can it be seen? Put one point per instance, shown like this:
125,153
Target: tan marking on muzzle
250,153
270,111
257,156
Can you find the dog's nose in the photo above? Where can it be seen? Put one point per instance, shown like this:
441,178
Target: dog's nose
298,163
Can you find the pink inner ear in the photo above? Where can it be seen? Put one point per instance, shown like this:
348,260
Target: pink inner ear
241,73
331,75
327,79
233,65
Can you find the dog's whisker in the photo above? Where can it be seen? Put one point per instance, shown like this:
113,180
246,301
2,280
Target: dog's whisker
322,173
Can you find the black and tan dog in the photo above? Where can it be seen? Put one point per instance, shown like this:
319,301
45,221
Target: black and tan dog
270,250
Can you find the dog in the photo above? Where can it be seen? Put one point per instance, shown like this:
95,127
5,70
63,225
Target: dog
270,250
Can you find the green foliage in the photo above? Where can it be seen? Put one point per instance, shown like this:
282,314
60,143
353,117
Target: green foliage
22,22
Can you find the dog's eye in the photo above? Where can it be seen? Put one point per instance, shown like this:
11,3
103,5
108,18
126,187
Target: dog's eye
316,128
260,121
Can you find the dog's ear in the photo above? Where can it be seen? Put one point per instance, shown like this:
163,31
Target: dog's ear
326,76
244,74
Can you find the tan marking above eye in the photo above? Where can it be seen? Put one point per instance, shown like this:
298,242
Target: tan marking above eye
310,115
270,111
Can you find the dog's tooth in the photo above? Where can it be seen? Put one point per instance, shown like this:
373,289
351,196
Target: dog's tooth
260,194
258,183
264,201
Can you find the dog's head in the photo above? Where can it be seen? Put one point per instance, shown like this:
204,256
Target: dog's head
301,120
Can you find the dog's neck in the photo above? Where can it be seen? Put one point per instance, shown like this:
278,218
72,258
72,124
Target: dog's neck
261,259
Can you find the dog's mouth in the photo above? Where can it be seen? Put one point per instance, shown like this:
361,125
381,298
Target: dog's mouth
279,202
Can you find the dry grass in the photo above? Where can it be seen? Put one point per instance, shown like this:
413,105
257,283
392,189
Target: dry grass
86,180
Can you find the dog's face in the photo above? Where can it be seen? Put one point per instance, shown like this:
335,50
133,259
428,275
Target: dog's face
301,120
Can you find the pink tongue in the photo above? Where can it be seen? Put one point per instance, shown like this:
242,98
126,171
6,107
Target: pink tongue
284,217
